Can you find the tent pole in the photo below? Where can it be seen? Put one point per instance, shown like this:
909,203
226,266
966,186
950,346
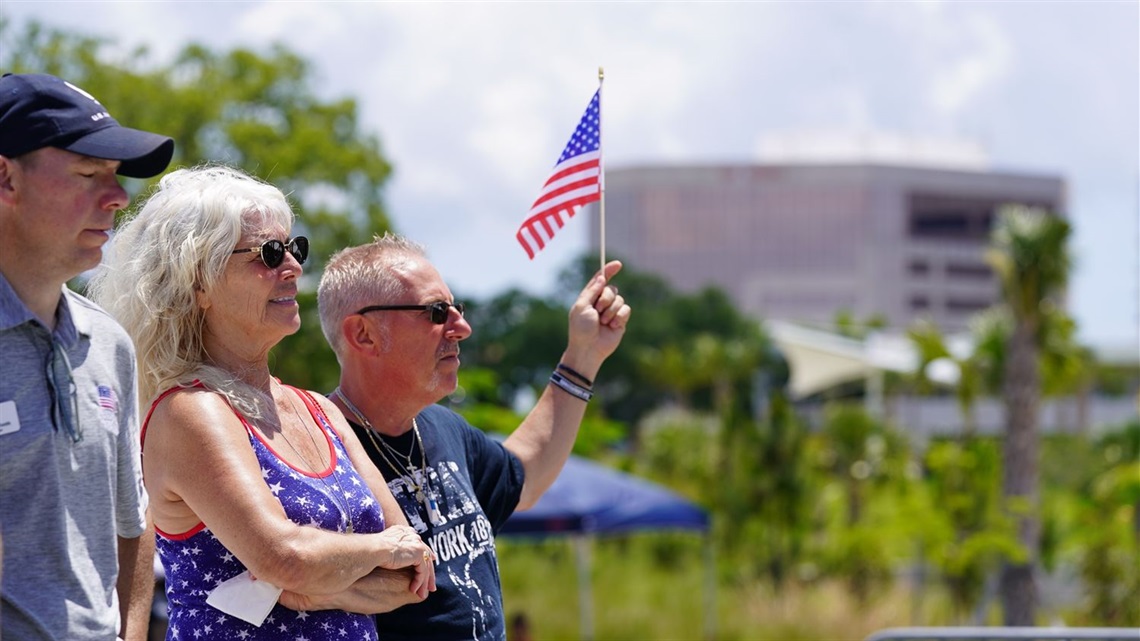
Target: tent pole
585,598
710,588
873,397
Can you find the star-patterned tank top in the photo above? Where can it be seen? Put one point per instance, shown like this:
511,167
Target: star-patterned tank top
195,562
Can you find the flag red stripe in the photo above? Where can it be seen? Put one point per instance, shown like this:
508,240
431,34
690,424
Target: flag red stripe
591,164
531,225
571,206
525,246
555,193
537,238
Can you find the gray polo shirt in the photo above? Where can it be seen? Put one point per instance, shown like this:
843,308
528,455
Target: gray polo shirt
63,503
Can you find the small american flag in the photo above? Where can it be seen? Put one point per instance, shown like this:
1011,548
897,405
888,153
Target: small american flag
574,182
107,399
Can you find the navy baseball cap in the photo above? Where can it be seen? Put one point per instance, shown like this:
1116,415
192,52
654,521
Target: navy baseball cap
38,110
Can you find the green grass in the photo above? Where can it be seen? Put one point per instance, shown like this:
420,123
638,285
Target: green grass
653,586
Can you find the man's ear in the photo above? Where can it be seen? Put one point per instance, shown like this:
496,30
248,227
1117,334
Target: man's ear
358,334
8,180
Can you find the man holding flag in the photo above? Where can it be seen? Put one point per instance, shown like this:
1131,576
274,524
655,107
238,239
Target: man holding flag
395,328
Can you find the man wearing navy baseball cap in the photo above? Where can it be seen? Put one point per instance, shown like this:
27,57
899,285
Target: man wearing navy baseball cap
38,110
78,547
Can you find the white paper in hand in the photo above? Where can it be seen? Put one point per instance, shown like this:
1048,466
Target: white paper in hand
245,598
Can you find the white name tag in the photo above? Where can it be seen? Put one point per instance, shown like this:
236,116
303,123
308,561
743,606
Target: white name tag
9,418
245,598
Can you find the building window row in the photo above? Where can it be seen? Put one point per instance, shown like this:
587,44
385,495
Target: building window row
969,271
953,270
955,217
953,304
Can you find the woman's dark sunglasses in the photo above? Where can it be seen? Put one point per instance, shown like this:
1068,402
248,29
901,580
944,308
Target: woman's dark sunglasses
439,310
273,251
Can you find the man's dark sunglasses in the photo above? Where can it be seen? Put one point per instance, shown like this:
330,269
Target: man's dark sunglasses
273,251
439,310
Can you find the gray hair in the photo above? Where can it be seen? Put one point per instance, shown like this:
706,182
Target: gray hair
359,276
177,243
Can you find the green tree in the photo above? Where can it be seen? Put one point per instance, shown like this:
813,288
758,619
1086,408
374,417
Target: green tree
778,480
667,367
1110,552
1067,367
254,110
669,352
518,336
847,324
1030,256
861,454
964,479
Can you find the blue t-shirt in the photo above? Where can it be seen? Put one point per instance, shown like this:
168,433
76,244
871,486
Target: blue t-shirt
476,485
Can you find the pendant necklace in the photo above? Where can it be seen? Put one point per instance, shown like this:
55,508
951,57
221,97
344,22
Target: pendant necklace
332,491
423,492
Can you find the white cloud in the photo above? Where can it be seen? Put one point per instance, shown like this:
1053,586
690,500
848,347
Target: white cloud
505,130
300,25
984,64
473,101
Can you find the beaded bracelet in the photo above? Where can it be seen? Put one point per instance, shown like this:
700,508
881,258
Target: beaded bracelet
570,387
583,379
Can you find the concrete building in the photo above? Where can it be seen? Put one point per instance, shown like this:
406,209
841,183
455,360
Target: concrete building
800,242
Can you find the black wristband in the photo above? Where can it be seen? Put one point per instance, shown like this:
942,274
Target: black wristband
576,375
570,387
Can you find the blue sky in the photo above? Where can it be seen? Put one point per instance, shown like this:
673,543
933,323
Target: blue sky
473,101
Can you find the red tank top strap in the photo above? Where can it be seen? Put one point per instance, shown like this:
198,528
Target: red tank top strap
311,404
154,404
322,420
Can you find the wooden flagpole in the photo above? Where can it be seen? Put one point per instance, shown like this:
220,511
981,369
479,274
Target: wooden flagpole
602,176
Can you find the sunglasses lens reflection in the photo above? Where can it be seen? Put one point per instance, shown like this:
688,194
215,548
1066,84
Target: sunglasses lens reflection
441,310
272,253
299,247
438,313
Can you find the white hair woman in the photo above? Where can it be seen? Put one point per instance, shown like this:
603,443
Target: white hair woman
246,473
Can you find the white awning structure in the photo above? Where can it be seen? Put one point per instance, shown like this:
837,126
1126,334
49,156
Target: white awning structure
819,360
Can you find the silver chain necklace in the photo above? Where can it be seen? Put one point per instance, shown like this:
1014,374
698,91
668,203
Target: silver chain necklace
332,491
423,492
397,453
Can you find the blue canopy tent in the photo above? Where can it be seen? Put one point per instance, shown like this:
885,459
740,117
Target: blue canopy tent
588,499
591,498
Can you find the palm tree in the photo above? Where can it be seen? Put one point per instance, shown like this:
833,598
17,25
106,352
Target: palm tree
1029,254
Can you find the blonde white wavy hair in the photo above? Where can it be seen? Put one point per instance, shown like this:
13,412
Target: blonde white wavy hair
177,243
